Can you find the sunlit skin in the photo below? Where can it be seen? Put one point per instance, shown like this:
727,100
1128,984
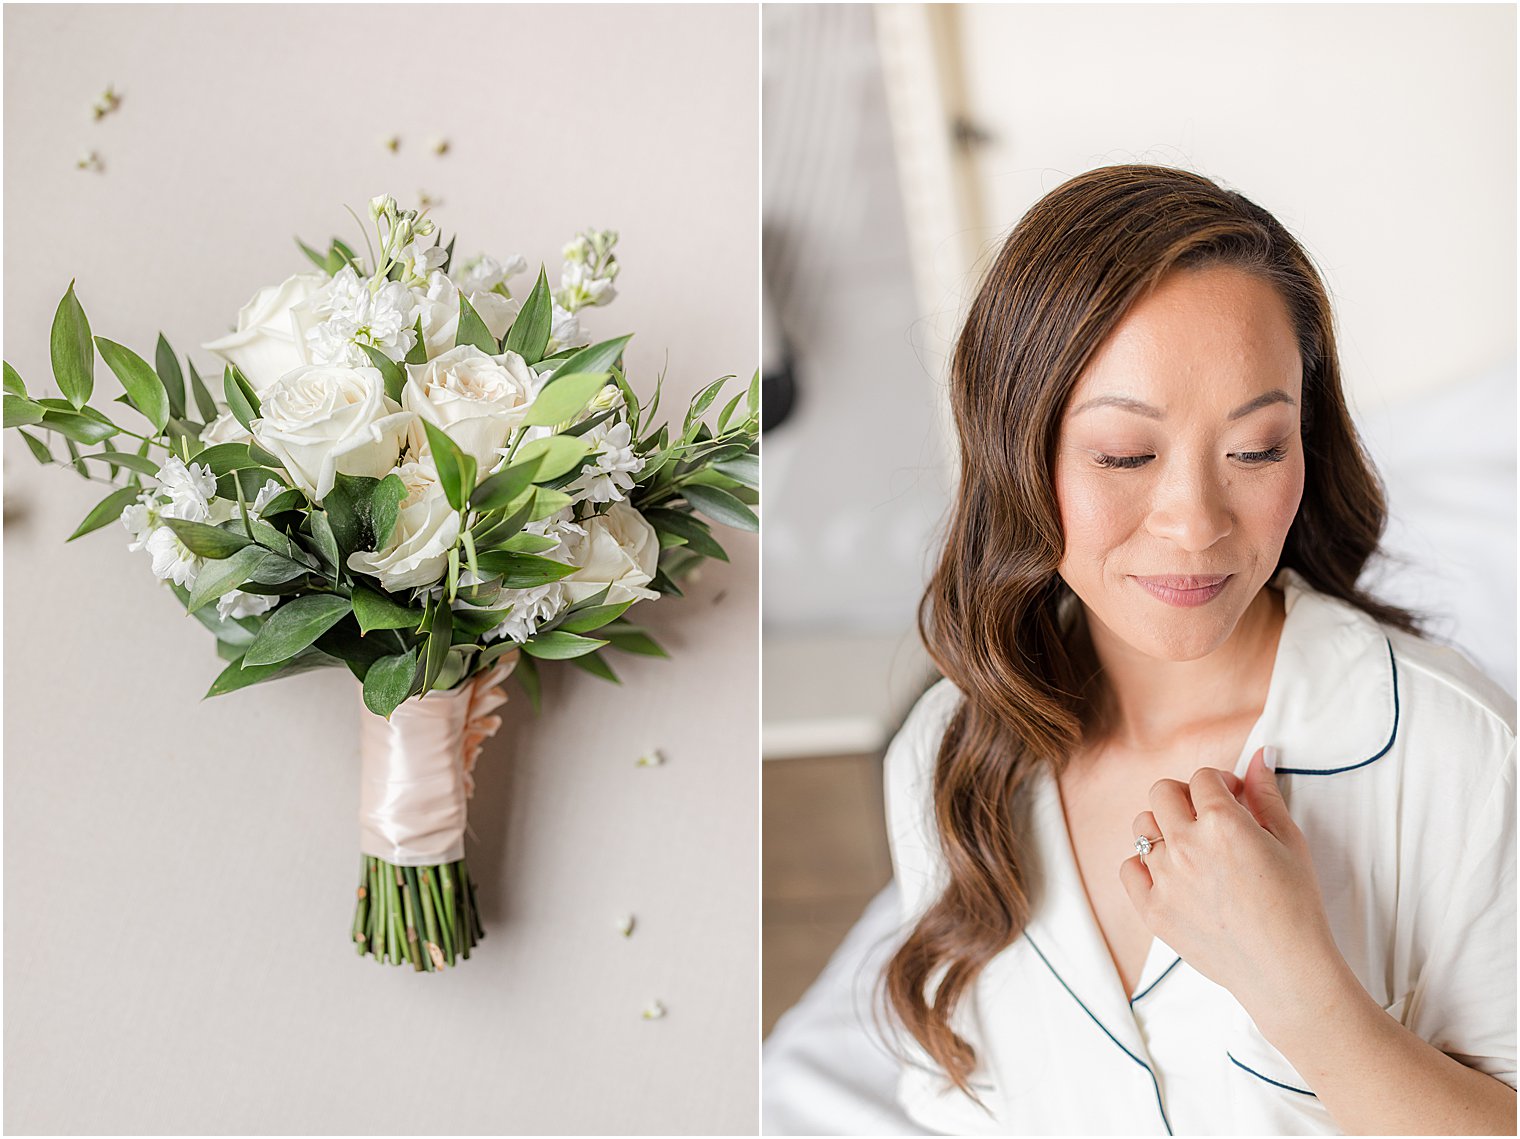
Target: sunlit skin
1180,454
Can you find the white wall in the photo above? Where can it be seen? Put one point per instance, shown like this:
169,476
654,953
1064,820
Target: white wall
179,875
1382,135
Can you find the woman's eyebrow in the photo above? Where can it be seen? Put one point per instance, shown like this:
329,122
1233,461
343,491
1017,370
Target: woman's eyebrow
1140,407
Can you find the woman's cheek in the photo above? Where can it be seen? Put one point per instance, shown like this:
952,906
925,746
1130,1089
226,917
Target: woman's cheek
1093,512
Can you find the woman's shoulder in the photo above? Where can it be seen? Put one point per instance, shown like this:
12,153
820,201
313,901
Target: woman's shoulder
1442,672
909,785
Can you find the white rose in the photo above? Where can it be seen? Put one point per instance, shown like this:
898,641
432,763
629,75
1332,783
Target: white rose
324,420
427,527
225,428
475,398
621,550
267,344
439,309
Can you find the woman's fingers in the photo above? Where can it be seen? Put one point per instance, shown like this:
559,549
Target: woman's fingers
1172,805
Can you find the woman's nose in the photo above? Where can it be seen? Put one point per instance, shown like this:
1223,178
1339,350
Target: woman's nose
1190,507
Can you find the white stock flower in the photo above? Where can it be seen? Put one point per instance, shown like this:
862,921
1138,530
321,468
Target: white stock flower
439,308
579,286
190,489
266,344
427,528
419,260
349,312
564,329
225,428
483,273
620,550
611,476
530,609
476,399
322,421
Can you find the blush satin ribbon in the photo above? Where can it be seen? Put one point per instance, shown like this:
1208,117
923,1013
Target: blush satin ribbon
416,769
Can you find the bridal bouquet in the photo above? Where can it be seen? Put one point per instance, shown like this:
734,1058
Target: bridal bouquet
419,476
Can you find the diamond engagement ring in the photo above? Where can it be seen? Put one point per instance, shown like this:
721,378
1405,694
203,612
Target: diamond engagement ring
1143,845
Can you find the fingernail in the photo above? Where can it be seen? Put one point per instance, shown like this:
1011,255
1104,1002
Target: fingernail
1269,757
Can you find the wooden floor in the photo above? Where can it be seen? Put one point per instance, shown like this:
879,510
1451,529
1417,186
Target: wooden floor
824,857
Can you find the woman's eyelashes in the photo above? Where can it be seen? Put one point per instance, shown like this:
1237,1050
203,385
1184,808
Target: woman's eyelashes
1131,462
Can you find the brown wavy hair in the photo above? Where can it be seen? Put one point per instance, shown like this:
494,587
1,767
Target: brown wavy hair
990,617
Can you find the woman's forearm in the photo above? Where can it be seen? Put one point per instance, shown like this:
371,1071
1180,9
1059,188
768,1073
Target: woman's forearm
1373,1075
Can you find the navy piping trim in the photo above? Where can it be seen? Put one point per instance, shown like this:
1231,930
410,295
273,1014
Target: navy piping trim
1156,982
1393,666
1270,1080
1159,1105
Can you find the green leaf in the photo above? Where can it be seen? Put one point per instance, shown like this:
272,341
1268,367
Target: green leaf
38,448
207,541
295,625
728,412
456,470
313,256
554,455
241,400
389,681
473,623
203,401
276,569
560,646
473,330
696,534
743,468
527,675
347,506
595,358
322,538
291,499
167,367
596,665
237,675
631,640
562,397
526,543
385,508
753,400
221,577
703,401
224,458
529,334
721,506
440,639
391,372
13,384
547,501
418,354
378,611
20,411
72,353
523,571
106,511
139,463
594,618
79,428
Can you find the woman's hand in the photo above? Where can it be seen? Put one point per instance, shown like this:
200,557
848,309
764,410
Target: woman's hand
1232,888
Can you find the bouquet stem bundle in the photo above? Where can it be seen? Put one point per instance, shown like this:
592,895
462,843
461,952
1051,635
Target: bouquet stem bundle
424,916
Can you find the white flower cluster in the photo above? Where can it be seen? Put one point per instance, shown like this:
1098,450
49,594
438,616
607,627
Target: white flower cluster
189,492
325,411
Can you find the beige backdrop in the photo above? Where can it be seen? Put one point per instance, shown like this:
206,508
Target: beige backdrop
179,874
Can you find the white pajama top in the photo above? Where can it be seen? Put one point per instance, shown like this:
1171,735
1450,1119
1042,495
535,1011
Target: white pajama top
1396,759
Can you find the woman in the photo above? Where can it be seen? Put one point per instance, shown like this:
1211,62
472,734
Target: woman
1120,920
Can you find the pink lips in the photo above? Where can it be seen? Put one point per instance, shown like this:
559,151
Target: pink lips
1185,591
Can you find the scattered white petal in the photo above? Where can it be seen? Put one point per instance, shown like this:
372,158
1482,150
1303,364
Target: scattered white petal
655,1011
625,925
440,146
652,758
